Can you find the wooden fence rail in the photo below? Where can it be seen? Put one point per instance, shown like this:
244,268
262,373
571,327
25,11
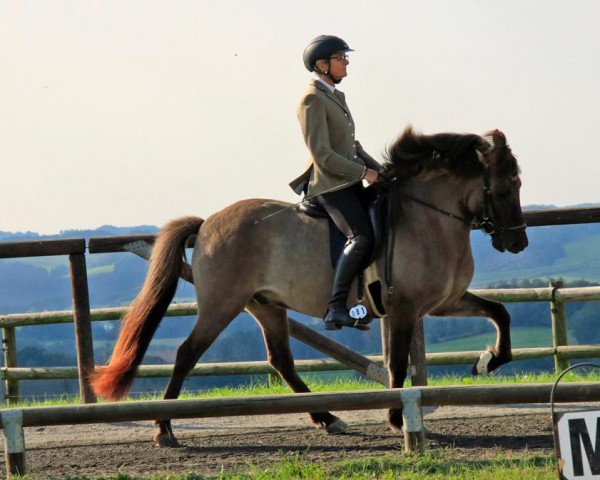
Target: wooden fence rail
312,365
42,248
533,218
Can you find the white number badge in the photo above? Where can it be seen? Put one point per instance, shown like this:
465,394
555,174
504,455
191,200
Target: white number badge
358,312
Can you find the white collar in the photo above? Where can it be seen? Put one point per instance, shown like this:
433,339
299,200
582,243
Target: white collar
317,77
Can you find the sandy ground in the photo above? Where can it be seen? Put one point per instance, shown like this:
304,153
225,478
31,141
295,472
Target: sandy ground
210,445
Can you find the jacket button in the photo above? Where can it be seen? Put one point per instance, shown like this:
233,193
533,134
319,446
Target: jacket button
354,156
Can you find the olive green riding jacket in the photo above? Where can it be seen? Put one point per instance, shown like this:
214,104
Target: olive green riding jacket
336,158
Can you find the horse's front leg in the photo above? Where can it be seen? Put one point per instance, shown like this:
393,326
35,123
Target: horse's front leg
470,305
400,330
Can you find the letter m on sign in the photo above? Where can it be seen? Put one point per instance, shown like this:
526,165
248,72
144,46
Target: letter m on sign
579,445
580,436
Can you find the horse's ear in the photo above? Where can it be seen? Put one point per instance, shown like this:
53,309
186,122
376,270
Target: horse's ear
499,138
484,147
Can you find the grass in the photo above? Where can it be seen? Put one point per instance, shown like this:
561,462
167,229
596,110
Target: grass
101,270
341,384
525,337
431,465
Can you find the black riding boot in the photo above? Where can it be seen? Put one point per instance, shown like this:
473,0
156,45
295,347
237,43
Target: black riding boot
348,267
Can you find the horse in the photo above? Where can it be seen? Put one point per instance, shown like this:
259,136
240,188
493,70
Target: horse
265,257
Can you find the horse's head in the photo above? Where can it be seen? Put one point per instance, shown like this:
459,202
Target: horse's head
501,215
470,159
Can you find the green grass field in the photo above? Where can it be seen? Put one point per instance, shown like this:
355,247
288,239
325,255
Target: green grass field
521,338
317,383
581,261
435,465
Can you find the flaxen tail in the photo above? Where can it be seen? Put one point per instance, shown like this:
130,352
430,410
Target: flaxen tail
147,310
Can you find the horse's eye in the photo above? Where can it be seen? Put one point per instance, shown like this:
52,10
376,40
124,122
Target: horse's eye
503,193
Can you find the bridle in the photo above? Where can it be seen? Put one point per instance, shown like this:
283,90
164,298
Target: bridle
489,222
489,219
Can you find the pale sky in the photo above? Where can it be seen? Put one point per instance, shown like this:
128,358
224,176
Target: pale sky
136,112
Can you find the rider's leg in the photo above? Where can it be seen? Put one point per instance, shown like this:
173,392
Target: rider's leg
347,268
349,215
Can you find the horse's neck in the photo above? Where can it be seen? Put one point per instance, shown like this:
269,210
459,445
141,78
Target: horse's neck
445,192
432,242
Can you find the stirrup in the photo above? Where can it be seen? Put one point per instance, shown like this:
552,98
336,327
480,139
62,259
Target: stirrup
337,324
358,324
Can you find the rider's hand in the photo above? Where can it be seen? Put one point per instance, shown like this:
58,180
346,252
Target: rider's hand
371,176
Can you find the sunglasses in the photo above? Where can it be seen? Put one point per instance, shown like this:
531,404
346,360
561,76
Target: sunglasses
340,58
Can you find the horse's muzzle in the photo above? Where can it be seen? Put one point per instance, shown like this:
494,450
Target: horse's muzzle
513,242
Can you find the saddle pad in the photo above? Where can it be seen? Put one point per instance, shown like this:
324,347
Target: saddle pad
373,289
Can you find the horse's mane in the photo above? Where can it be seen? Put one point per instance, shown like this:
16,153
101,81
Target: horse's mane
414,153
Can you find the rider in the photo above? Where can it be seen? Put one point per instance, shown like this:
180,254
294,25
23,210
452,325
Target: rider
337,166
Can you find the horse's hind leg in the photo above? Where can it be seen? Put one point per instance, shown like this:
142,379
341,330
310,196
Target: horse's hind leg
274,323
470,305
207,329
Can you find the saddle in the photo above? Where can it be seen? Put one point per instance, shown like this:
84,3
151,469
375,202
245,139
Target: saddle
337,240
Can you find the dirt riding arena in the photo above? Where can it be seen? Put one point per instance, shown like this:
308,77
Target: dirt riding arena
209,445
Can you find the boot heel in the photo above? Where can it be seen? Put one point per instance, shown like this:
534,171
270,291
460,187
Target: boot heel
331,325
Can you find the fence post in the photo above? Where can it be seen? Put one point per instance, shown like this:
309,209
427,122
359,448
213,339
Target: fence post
14,442
559,326
9,346
412,415
83,325
418,367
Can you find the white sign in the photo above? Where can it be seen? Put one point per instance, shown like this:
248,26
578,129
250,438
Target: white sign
579,443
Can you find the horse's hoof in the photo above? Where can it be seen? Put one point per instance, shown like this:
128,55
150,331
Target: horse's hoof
483,364
165,440
395,420
336,427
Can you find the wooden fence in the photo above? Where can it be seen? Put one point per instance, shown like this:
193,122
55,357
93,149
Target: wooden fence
409,399
82,317
555,296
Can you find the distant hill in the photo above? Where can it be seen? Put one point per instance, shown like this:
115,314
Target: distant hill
103,231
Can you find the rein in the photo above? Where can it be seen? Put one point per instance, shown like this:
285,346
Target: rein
440,210
294,205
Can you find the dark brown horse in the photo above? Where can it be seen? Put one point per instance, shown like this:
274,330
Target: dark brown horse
436,186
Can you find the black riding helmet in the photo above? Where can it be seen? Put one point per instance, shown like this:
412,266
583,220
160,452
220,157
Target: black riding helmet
321,48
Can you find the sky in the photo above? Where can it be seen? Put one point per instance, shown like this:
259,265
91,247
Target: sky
137,112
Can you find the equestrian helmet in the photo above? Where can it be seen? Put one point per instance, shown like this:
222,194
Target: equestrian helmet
321,48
